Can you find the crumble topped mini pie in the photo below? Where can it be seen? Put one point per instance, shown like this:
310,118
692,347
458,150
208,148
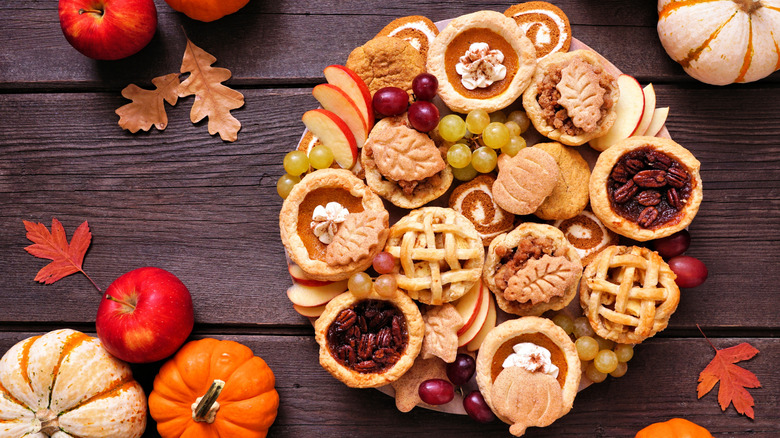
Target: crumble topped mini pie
369,342
333,225
482,61
646,187
532,269
572,98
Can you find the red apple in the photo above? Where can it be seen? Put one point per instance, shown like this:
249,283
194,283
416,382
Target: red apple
353,85
333,133
108,29
145,315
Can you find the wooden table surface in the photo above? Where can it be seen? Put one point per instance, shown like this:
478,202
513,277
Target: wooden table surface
207,210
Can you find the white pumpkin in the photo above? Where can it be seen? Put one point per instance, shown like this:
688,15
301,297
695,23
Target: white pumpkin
722,41
63,385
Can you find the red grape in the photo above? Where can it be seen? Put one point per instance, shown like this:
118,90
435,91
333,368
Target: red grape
384,263
691,272
674,245
475,406
424,86
390,101
424,116
436,391
461,370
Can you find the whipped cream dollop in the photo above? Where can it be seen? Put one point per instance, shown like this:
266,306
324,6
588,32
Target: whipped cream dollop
532,357
325,220
480,67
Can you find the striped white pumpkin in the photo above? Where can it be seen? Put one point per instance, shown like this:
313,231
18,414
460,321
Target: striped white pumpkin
722,41
65,385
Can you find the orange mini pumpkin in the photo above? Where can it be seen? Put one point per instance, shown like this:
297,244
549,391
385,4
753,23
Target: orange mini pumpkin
674,428
214,389
206,10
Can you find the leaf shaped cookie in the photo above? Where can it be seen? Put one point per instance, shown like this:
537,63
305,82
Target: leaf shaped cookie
525,180
441,332
526,399
357,237
581,94
542,279
402,153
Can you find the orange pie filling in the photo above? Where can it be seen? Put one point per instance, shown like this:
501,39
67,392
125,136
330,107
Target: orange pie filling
557,357
474,50
306,212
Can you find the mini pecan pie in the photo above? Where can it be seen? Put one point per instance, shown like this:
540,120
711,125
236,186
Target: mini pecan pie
572,98
646,187
532,269
482,60
369,342
332,225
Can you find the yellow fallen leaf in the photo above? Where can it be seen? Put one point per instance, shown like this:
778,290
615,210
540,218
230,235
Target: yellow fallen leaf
147,107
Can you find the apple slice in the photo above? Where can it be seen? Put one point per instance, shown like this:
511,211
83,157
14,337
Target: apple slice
333,99
310,312
659,118
629,108
647,114
300,277
333,133
490,324
479,321
307,296
355,88
468,305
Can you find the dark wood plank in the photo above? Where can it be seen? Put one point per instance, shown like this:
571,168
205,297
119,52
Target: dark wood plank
660,384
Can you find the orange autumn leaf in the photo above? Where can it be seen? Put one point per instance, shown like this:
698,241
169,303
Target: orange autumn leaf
66,258
733,379
147,107
212,98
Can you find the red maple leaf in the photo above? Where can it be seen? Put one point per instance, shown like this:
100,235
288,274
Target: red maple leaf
733,379
66,258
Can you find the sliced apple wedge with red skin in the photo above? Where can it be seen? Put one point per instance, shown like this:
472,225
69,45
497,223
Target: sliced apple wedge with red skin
300,277
310,312
490,324
657,124
354,86
479,321
306,296
333,99
333,133
647,114
468,305
629,108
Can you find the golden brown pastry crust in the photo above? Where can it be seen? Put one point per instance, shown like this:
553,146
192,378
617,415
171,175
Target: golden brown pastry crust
570,194
414,326
387,62
599,196
525,180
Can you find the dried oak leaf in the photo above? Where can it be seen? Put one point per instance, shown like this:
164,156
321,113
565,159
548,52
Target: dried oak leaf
357,236
212,98
66,258
441,333
581,94
542,279
733,379
147,107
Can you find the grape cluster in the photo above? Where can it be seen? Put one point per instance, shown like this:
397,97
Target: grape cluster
296,163
360,284
479,137
599,356
441,391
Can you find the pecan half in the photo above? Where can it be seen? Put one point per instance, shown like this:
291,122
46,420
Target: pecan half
650,178
677,177
386,356
367,366
361,322
634,165
380,320
658,160
674,198
620,173
647,217
384,338
345,320
365,347
648,198
625,192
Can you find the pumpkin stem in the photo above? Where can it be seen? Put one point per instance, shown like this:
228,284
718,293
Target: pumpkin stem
748,6
205,408
49,421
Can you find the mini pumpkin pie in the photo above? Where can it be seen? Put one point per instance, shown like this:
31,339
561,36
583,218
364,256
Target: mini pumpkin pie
532,269
646,187
332,225
438,253
403,165
628,294
572,97
482,60
371,341
528,371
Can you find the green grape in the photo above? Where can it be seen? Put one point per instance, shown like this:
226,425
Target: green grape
514,128
620,371
477,120
465,174
496,135
624,352
484,159
296,162
498,116
521,119
605,361
587,348
593,374
386,285
516,143
605,344
565,322
452,127
360,284
285,184
320,157
459,155
582,327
